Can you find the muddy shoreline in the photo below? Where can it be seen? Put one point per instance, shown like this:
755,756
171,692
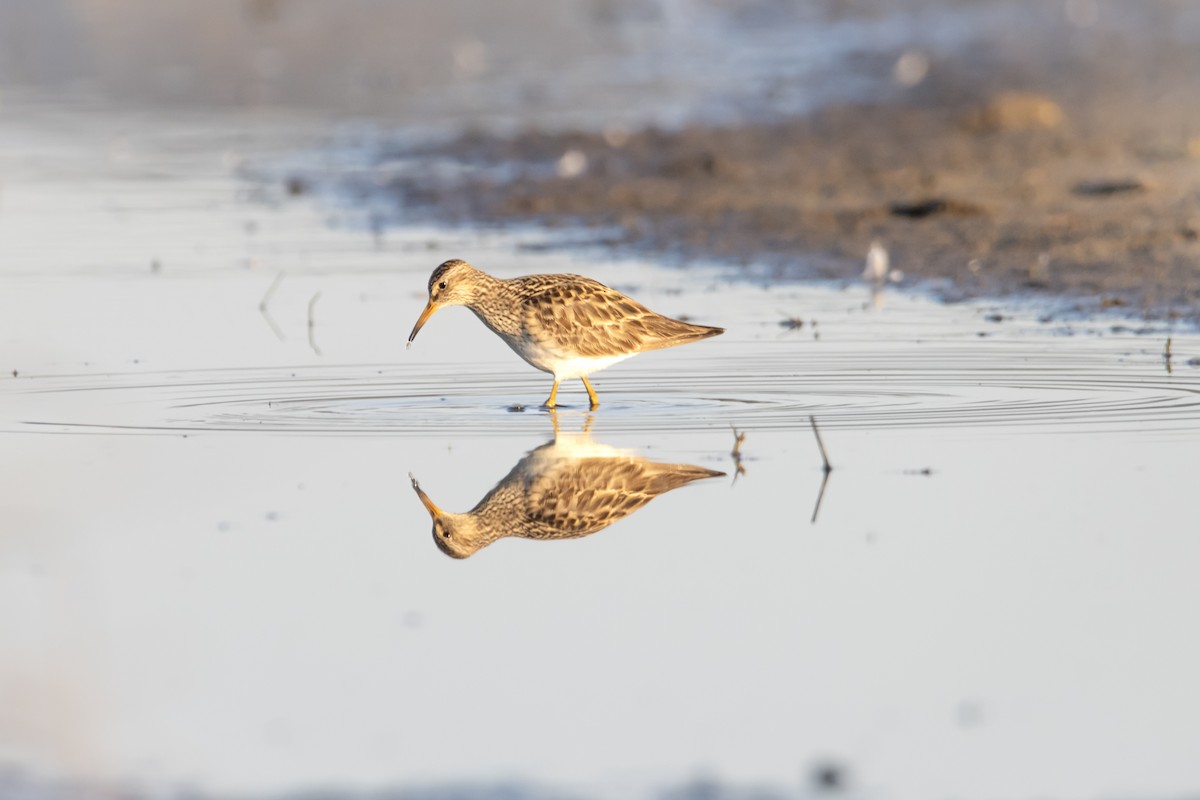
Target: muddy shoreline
976,182
986,209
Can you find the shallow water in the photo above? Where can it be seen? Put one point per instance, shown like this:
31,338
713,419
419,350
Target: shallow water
214,572
1104,387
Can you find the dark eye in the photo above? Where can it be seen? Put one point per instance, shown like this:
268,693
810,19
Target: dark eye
442,285
445,534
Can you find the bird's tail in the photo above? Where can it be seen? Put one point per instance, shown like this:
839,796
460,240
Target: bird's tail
672,476
683,333
703,332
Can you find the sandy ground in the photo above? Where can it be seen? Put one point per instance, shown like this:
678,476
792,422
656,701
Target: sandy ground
1043,161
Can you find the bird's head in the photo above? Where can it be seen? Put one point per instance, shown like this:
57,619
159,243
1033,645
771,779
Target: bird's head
453,283
456,535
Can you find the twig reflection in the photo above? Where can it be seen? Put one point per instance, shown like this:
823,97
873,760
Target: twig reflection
820,496
736,454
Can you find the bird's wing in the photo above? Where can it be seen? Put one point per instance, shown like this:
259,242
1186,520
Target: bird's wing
575,497
587,318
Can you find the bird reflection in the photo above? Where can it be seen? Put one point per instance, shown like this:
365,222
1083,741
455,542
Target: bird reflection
569,487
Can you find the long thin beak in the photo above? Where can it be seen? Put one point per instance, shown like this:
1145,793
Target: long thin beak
430,506
421,320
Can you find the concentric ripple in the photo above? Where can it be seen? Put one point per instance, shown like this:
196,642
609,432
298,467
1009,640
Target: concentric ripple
1083,387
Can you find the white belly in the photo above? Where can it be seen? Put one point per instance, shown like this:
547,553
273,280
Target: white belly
563,368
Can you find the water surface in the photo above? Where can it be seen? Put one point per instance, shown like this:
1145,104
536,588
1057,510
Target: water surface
214,572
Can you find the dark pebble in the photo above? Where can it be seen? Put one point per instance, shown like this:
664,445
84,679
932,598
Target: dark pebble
1107,188
828,777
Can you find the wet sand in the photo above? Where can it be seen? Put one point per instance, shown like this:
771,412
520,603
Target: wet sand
1044,164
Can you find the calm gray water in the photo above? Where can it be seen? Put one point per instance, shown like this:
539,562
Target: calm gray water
217,581
215,576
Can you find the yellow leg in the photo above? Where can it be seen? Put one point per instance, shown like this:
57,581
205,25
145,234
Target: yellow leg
553,396
591,393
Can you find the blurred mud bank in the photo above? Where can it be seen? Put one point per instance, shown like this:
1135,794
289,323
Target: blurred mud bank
1058,153
988,208
995,146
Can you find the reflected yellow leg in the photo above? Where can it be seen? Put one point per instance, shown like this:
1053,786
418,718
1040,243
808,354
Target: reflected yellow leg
591,393
553,396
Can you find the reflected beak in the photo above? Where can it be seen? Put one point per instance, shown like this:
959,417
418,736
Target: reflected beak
421,320
430,506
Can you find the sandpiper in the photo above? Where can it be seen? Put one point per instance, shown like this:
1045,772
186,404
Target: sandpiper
567,325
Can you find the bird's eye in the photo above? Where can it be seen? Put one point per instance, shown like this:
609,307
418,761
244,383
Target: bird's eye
442,285
445,534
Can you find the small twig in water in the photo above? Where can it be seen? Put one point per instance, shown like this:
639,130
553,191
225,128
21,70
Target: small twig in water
790,322
826,468
312,342
262,307
1167,355
736,453
262,304
824,456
